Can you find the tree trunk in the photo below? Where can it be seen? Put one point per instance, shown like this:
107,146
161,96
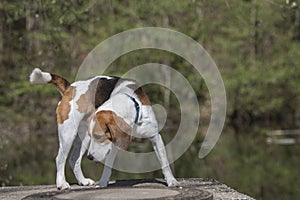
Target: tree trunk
254,33
1,35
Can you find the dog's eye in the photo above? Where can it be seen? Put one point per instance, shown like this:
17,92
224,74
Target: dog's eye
97,137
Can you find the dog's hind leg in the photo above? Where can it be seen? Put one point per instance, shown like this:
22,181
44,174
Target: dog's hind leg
80,146
109,161
66,135
67,130
161,154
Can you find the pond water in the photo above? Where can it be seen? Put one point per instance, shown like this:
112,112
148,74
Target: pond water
246,162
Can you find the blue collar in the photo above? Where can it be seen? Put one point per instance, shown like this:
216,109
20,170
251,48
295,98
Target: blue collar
137,107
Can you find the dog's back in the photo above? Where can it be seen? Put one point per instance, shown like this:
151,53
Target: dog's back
96,90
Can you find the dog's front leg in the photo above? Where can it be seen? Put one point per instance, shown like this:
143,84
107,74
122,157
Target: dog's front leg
109,161
159,148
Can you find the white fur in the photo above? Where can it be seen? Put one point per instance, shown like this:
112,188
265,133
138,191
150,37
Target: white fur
146,126
67,132
39,77
74,129
121,88
82,87
122,106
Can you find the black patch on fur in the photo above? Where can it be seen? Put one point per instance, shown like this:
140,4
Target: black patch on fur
102,88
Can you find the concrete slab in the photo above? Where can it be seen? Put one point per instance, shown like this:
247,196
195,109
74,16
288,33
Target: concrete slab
120,193
192,188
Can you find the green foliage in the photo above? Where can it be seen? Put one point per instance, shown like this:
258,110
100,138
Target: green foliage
255,45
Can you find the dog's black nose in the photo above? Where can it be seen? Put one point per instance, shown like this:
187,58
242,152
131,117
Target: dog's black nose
90,157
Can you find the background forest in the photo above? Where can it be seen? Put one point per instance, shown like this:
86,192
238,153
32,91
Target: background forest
254,43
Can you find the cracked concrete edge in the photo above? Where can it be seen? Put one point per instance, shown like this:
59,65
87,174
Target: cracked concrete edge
219,190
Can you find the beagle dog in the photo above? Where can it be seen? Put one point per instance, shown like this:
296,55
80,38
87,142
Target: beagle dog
101,113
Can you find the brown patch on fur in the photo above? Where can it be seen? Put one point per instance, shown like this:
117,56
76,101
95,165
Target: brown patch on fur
84,103
143,97
61,84
98,92
100,132
63,109
114,128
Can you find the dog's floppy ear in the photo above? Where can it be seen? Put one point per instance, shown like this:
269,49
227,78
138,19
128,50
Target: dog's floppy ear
119,132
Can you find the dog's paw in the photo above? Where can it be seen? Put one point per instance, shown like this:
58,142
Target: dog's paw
63,186
173,183
86,182
102,184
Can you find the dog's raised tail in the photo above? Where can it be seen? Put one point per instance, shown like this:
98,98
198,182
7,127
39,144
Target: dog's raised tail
39,77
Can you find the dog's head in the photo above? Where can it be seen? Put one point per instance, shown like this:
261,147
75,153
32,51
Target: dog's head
107,129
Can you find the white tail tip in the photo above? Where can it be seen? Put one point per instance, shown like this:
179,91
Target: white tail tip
39,77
